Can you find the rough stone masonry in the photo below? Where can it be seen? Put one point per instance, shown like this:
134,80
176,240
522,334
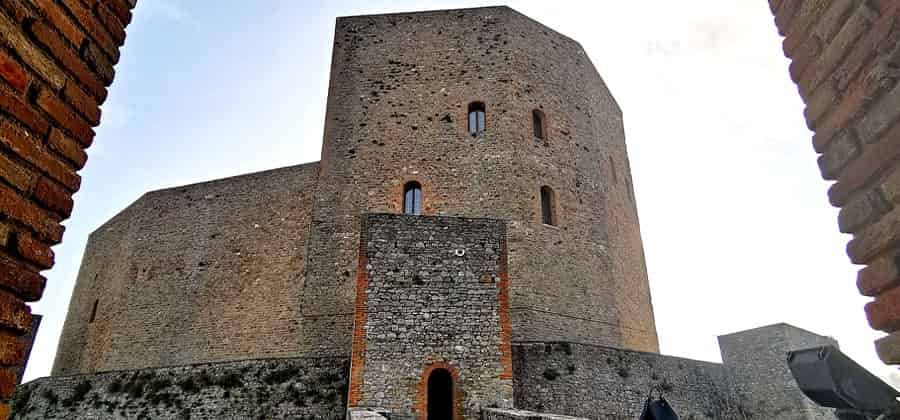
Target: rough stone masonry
516,279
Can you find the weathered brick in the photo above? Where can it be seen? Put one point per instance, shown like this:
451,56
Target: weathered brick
14,314
13,105
833,19
868,45
67,147
888,348
99,63
809,13
34,250
785,15
884,312
83,103
874,239
24,281
6,231
774,5
57,17
880,117
16,174
54,197
115,28
890,187
13,73
67,118
804,56
874,160
841,151
87,20
862,210
121,9
19,208
8,378
31,55
821,100
19,10
880,275
12,350
68,57
837,49
857,97
29,148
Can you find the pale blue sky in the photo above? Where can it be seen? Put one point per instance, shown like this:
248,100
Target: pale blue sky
736,225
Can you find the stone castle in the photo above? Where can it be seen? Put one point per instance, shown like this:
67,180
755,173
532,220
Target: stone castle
467,246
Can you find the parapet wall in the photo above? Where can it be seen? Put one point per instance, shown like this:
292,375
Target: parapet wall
754,382
309,388
607,383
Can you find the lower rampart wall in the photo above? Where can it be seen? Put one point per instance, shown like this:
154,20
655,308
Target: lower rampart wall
606,383
301,388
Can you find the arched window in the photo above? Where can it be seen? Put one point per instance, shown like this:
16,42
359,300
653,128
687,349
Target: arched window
440,395
548,204
412,198
476,118
537,119
94,312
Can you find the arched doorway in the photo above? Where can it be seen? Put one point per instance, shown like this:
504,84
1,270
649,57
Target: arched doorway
440,395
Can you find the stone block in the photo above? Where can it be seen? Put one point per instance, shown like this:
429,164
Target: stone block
16,174
880,275
884,312
63,114
873,240
30,149
838,154
31,54
23,280
888,348
862,210
67,147
890,187
15,106
13,73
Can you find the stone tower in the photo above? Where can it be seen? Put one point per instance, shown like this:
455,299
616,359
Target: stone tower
467,246
266,264
401,89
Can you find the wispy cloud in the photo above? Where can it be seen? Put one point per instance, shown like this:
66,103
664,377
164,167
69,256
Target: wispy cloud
172,10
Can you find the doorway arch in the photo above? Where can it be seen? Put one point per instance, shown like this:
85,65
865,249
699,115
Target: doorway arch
438,393
440,399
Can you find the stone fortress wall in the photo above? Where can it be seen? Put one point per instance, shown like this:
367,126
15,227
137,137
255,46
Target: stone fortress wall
194,274
271,265
264,265
580,380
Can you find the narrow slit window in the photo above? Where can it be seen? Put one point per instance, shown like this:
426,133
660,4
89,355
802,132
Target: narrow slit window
548,202
476,118
612,169
412,198
94,312
537,119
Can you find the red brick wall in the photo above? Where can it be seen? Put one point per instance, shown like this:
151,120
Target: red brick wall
844,58
56,62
